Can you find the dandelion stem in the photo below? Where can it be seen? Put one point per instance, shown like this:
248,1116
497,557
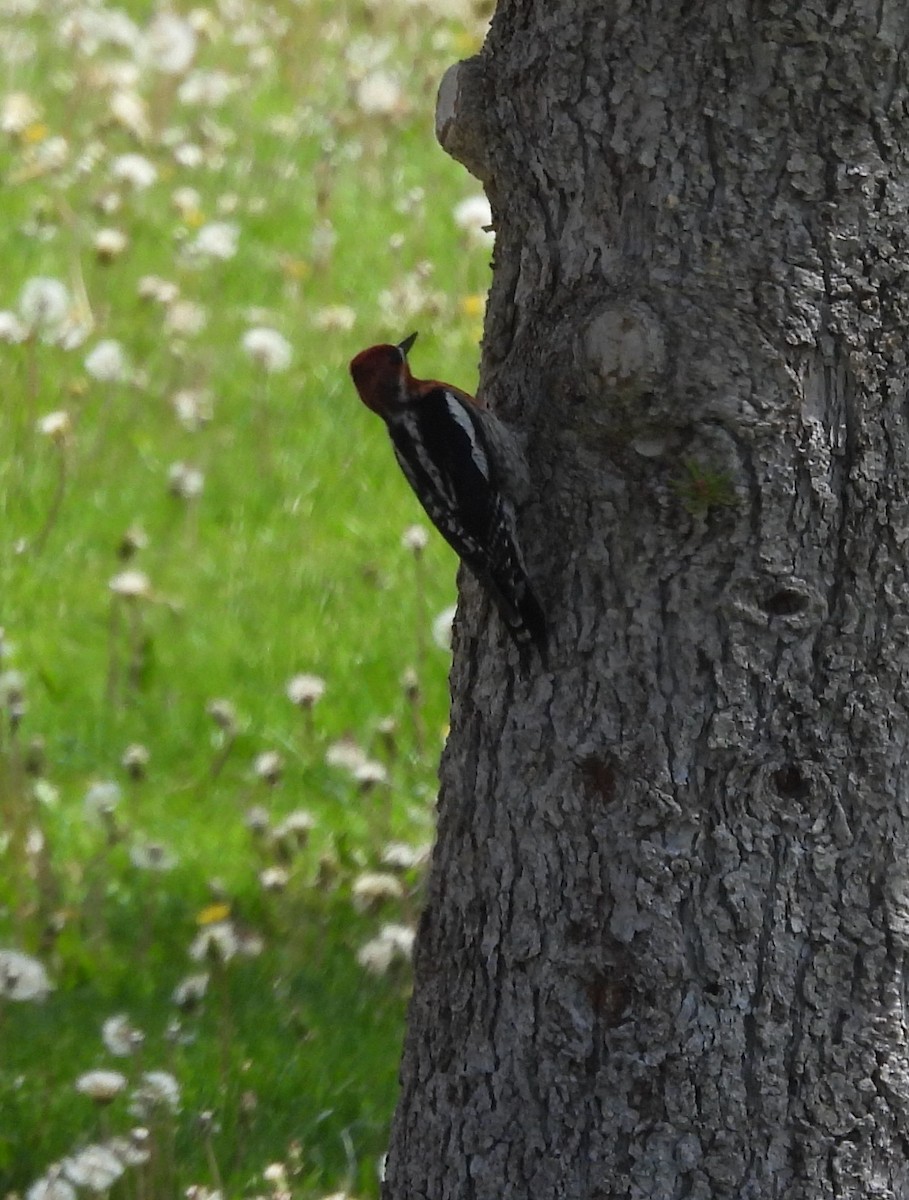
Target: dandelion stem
56,503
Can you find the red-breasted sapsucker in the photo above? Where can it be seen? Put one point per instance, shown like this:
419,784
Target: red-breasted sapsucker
466,471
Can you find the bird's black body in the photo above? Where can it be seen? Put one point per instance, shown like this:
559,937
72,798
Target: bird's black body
460,462
439,445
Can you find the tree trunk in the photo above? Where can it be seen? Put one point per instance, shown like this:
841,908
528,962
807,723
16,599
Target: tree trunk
664,948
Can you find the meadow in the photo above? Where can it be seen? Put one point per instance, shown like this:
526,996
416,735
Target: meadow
223,620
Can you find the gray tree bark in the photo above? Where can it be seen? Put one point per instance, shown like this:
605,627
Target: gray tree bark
664,948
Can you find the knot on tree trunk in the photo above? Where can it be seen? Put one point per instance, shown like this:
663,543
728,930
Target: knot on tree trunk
461,108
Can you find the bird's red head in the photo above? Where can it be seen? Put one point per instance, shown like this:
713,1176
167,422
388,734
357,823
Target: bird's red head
381,375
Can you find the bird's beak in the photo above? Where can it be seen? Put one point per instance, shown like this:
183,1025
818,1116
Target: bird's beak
404,346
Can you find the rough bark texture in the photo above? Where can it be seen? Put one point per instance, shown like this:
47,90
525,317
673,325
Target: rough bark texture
664,950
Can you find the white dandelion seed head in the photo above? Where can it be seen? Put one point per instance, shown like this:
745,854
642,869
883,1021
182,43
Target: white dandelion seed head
473,216
120,1037
110,244
379,94
216,240
95,1168
17,111
153,287
185,318
296,825
101,1086
169,44
305,691
55,425
131,585
129,110
268,766
442,627
107,361
52,1186
22,977
152,856
135,170
44,303
374,887
208,88
102,798
335,318
133,1150
193,407
268,349
185,481
370,774
217,941
12,331
415,539
274,879
346,754
190,992
187,201
399,856
157,1091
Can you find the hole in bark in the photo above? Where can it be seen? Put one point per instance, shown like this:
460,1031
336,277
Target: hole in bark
790,782
785,603
599,777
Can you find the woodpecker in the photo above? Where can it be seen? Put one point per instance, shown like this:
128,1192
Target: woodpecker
466,471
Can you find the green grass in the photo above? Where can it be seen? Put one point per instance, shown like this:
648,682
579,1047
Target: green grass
290,560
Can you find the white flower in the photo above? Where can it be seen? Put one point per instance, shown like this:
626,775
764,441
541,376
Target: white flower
153,287
132,1151
95,1168
51,1186
394,942
157,1090
152,856
340,317
12,330
169,44
132,585
379,94
129,110
110,243
193,408
305,690
17,112
43,304
55,425
217,239
189,992
293,832
102,798
372,887
185,318
135,170
218,940
268,766
415,539
473,215
22,977
402,857
268,349
101,1086
120,1037
184,481
187,201
370,773
208,87
441,627
106,361
345,754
